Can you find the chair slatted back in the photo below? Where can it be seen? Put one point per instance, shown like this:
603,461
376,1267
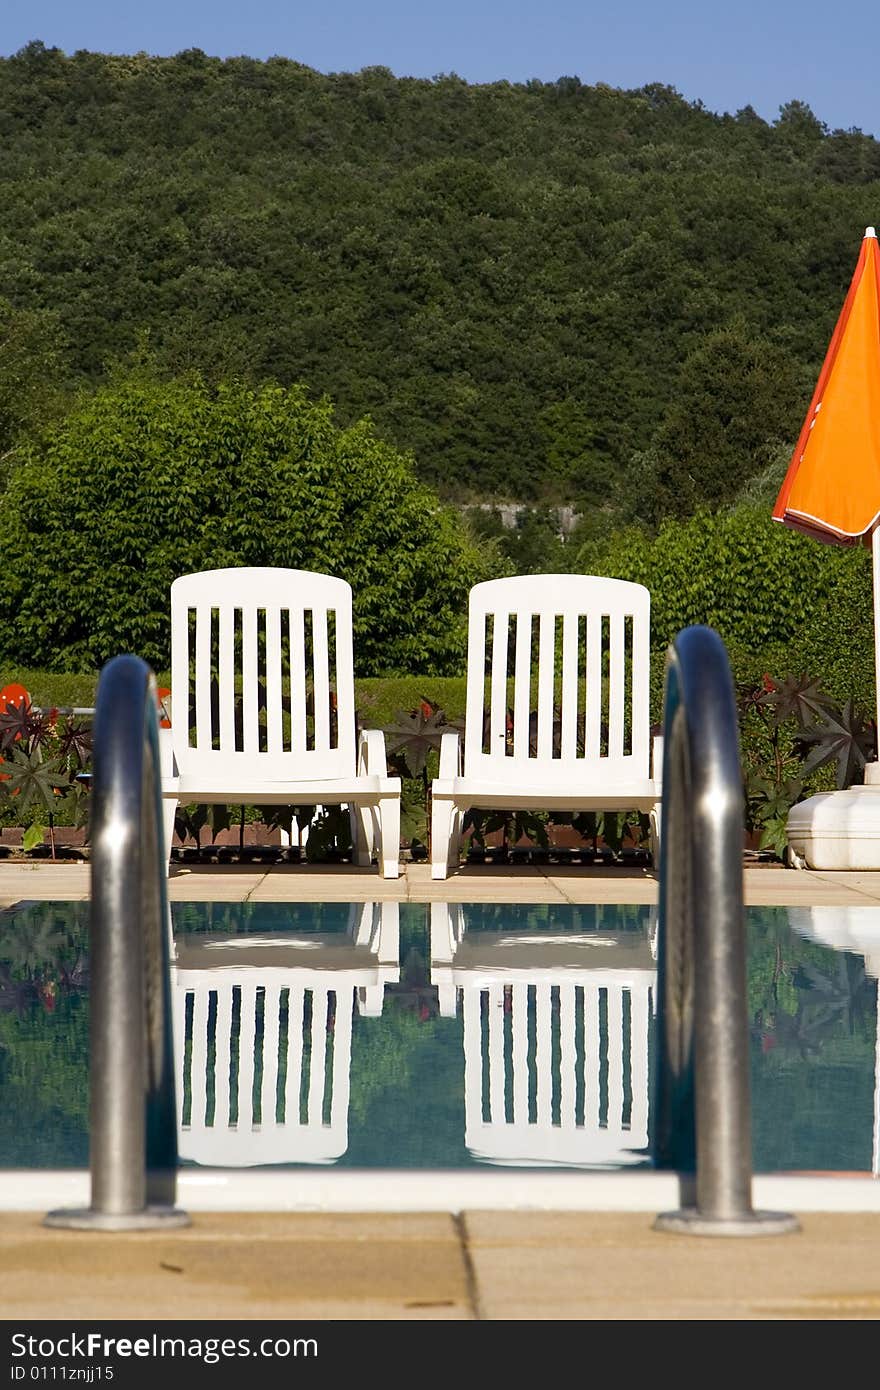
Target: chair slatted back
262,679
577,649
263,1050
558,1072
264,1068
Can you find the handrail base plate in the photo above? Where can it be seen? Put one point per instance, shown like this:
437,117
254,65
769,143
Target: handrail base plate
689,1221
87,1219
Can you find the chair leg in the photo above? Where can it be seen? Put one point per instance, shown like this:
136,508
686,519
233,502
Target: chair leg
363,836
443,814
443,941
370,1001
455,838
389,836
447,1000
654,840
169,809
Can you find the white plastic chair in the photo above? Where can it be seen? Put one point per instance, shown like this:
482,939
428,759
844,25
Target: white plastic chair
263,1034
577,648
258,657
556,1041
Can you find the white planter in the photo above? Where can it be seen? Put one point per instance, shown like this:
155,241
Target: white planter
836,830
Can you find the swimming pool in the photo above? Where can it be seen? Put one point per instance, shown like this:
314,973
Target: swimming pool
379,1047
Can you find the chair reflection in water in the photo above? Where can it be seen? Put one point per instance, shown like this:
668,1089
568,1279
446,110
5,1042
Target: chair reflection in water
263,1031
556,1039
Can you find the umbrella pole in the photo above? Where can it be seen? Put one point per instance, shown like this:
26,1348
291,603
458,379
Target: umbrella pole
872,770
875,1147
872,967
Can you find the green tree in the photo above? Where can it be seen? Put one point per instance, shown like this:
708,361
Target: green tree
507,278
578,455
737,398
148,479
31,354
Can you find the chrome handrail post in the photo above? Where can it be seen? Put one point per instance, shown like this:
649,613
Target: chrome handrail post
133,1117
703,1107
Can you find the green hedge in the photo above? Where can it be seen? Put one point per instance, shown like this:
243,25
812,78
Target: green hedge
377,699
783,603
49,690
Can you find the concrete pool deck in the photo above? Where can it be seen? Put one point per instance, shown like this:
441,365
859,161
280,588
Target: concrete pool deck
763,884
468,1264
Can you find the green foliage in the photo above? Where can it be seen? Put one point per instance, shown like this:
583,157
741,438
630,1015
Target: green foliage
30,359
841,736
414,735
147,480
40,757
191,820
532,546
512,825
412,742
49,690
779,600
791,732
377,698
34,781
509,278
379,702
329,835
736,399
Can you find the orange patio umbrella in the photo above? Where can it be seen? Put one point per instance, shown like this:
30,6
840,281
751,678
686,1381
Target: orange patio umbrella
832,488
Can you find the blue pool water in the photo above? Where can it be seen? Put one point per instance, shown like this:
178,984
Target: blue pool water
387,1035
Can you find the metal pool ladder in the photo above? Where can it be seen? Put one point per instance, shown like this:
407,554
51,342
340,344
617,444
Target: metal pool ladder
703,1109
702,1125
133,1116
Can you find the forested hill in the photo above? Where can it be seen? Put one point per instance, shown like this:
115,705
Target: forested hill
548,290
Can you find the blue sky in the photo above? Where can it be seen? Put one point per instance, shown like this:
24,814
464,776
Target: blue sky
727,56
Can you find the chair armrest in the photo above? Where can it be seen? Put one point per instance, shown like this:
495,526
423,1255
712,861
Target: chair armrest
657,761
450,755
166,754
372,759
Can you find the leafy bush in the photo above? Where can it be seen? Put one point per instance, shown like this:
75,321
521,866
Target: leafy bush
794,741
779,600
41,755
148,479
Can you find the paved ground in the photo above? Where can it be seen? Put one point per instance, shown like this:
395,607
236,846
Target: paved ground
481,1265
763,884
477,1265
